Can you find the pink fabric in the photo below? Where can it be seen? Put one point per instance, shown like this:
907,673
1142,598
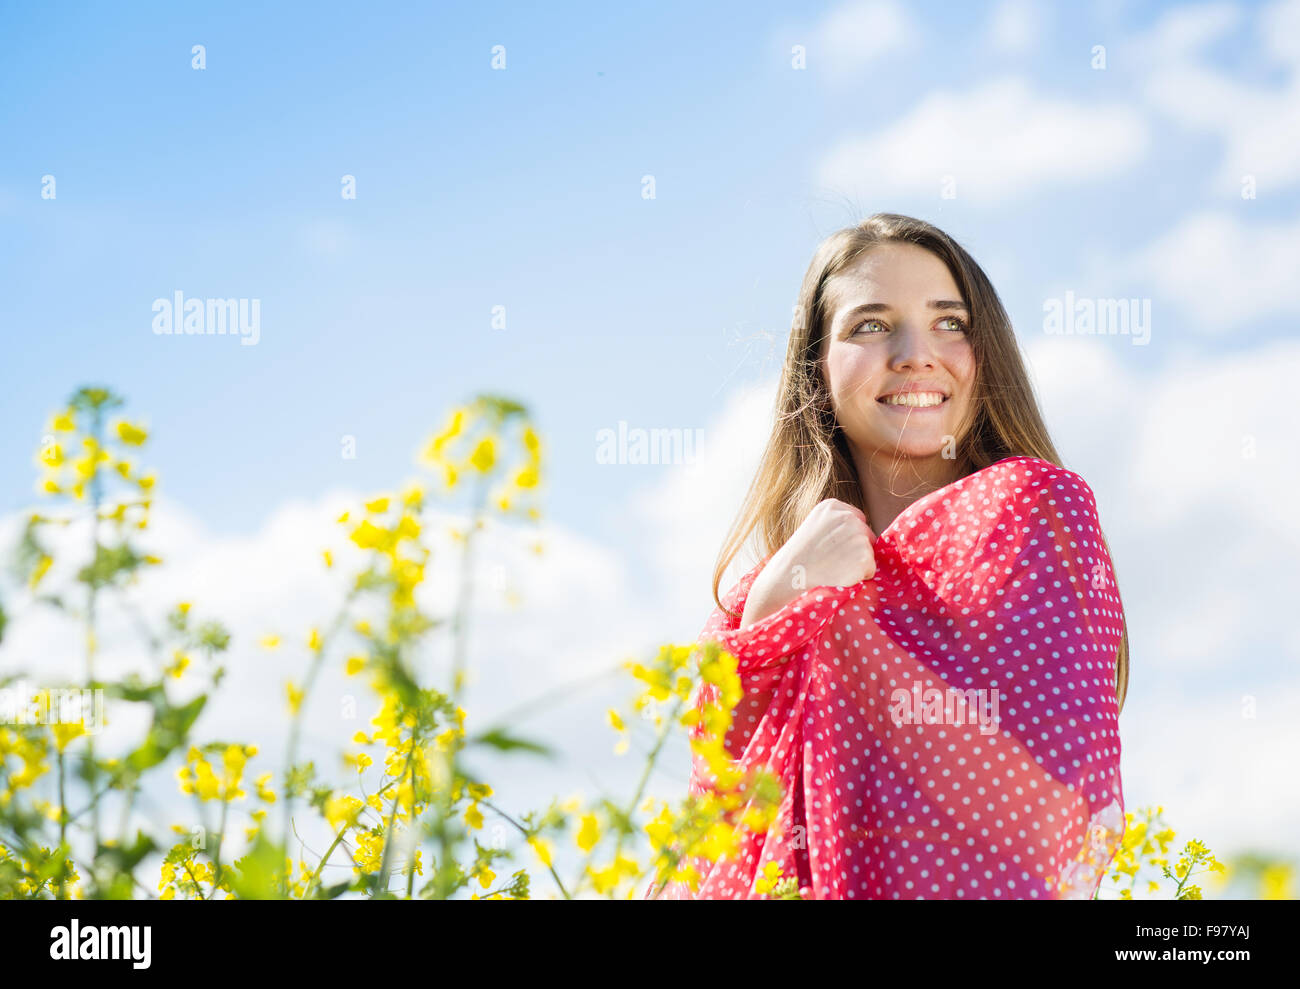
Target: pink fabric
999,583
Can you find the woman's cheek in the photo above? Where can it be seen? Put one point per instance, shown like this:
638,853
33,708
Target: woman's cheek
853,378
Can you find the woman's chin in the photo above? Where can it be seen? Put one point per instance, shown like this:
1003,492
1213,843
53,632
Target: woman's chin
912,442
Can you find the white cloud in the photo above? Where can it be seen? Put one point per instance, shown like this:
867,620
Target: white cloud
1221,271
275,582
1193,476
1015,26
693,507
854,37
1182,32
1279,26
1258,124
999,142
1221,776
574,620
1204,541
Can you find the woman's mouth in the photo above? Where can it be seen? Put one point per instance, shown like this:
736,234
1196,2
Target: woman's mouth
923,401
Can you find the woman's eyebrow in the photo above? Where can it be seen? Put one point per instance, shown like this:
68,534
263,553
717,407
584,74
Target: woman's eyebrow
875,307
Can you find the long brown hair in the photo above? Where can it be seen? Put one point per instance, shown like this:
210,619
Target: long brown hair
807,458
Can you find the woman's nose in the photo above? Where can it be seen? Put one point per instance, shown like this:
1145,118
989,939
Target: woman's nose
912,349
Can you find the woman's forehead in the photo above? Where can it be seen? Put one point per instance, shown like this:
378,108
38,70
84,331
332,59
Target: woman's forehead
886,269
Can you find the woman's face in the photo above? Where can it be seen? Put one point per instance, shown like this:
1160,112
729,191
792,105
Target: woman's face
897,323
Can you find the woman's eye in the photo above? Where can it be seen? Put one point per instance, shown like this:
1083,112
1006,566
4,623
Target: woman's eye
957,324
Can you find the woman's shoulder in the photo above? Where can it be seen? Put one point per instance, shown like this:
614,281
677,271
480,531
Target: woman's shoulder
740,589
735,597
1019,484
1035,474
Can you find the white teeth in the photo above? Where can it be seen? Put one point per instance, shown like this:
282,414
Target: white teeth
921,400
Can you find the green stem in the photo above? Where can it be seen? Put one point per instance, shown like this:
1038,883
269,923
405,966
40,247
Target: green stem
444,872
295,725
63,819
96,496
645,776
524,831
221,838
388,831
330,851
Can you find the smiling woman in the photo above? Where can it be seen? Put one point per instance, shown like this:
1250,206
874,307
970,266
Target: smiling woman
905,411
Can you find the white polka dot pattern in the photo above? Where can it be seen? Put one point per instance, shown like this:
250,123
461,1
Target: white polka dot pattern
998,583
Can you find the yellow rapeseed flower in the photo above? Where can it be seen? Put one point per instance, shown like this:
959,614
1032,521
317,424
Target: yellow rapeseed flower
484,455
1275,882
589,834
65,733
368,536
342,811
42,568
543,849
358,759
178,667
413,495
770,876
264,791
131,435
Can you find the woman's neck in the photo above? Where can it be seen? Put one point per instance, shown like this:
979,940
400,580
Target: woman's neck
890,484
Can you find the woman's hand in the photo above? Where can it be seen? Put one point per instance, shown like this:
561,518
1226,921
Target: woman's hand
833,546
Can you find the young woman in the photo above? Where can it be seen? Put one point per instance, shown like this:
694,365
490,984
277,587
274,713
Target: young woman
933,648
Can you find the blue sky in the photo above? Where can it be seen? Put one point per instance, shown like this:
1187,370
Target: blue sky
522,188
479,188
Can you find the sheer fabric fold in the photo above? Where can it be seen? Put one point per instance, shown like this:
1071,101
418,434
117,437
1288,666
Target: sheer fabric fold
948,728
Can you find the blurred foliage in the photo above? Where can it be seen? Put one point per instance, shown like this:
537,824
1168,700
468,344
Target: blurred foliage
488,458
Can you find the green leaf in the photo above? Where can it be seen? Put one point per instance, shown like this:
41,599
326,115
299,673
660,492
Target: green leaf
332,892
53,866
169,731
498,739
132,688
93,398
500,407
257,874
126,859
109,563
213,635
